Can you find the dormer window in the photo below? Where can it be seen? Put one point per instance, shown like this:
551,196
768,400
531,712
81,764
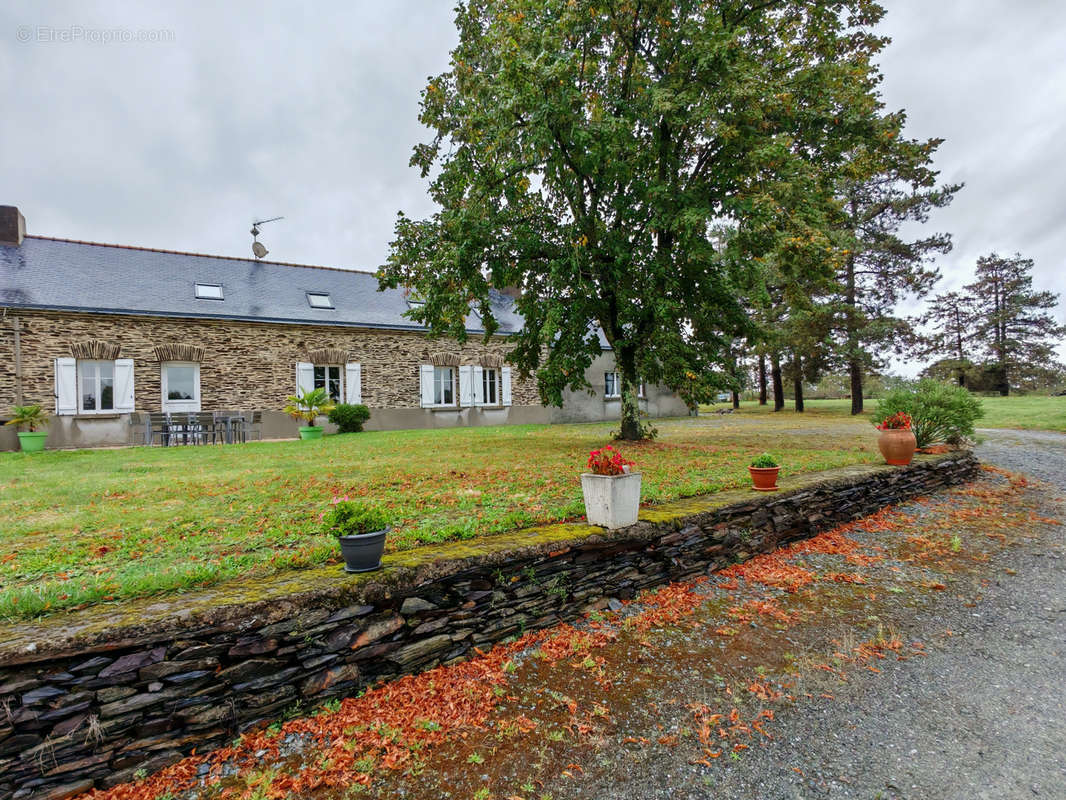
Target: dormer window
209,291
319,300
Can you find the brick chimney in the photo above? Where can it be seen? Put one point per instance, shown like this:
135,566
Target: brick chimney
12,226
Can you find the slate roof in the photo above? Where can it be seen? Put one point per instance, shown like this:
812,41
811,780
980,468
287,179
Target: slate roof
62,274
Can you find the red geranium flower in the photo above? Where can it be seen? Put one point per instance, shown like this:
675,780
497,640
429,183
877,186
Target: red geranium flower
607,461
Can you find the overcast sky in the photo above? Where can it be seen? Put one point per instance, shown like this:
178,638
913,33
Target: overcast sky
175,127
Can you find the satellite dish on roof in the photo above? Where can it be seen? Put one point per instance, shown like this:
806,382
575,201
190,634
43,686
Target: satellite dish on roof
258,248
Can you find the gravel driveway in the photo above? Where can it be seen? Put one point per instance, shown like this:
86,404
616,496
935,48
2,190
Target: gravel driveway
984,716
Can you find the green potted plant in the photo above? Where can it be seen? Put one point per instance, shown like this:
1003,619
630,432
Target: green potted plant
361,529
611,489
763,470
33,417
308,407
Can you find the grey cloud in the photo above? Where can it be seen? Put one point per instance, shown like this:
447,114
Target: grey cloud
310,111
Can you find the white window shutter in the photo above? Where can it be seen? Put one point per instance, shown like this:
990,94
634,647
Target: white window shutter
353,383
124,385
479,386
196,385
505,385
305,377
66,386
426,373
467,387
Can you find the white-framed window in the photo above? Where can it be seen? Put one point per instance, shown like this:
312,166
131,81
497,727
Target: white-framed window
96,387
87,386
180,386
612,386
209,291
444,386
437,386
329,377
490,386
343,383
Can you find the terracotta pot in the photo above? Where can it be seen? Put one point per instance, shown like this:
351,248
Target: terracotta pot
897,446
764,479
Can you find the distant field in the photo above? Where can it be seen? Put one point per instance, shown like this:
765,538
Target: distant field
1029,412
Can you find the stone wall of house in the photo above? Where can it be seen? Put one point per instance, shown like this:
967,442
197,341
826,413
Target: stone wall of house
246,365
92,706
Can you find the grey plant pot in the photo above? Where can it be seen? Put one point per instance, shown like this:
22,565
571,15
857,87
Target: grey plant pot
362,552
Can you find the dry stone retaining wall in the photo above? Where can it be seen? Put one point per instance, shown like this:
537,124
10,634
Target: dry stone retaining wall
98,710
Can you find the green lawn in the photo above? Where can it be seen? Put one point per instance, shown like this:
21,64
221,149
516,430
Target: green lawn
85,526
1032,412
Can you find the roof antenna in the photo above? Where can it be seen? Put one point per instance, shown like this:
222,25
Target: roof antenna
258,248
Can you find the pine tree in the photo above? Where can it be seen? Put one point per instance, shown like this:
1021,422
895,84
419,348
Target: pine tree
884,186
1013,323
952,318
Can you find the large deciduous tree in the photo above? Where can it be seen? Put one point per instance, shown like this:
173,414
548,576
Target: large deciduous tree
886,184
589,152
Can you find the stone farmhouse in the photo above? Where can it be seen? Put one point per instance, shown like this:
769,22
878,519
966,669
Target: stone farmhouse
101,333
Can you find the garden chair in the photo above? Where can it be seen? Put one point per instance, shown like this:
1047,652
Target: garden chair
252,428
140,429
202,427
158,425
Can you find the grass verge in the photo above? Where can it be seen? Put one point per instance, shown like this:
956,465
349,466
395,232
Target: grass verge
90,526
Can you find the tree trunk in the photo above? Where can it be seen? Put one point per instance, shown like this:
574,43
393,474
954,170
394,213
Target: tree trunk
797,379
851,323
855,368
958,346
627,371
762,379
775,377
736,399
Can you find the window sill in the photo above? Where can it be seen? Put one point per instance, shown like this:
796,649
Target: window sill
442,408
104,415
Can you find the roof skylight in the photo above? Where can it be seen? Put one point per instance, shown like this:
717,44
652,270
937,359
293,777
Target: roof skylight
319,300
209,291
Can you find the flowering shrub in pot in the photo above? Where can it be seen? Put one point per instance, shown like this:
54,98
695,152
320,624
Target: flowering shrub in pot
611,489
361,529
897,442
763,470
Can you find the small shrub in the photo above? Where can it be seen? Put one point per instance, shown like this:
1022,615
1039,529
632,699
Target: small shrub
939,412
349,417
349,518
765,461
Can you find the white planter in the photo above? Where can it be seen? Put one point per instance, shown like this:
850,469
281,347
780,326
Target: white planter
611,501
